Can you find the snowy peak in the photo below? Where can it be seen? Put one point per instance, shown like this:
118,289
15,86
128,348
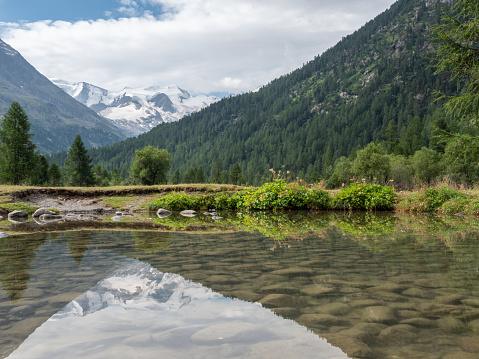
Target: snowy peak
137,110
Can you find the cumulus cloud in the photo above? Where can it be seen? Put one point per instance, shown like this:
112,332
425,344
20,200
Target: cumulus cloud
200,45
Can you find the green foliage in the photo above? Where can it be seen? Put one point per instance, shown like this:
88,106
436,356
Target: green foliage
175,201
431,199
54,175
276,195
78,168
150,166
17,159
279,195
372,163
457,53
461,158
425,163
366,197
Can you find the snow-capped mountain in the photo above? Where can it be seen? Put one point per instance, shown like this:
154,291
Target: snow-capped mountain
137,110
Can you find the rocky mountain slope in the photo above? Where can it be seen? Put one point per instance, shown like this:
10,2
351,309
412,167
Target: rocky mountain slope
54,116
137,110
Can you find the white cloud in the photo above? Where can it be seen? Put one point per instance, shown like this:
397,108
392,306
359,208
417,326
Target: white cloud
200,45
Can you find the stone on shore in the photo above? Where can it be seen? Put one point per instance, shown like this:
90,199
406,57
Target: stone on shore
17,214
41,211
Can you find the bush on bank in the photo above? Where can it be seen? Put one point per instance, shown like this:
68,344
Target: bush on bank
280,195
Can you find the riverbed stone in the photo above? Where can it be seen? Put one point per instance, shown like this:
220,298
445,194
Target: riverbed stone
469,343
22,311
380,314
452,299
4,235
278,301
283,288
460,355
334,308
290,313
362,303
319,319
474,325
352,347
294,272
317,290
400,334
389,296
419,293
451,325
420,322
386,287
408,314
366,332
471,302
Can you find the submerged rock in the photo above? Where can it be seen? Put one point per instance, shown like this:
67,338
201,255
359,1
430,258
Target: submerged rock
380,314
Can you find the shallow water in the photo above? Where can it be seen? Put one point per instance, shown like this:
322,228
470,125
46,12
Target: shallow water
102,294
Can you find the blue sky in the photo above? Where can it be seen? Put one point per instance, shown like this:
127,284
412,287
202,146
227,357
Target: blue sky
203,46
67,10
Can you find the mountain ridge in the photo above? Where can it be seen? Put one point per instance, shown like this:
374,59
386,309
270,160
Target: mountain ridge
137,110
55,117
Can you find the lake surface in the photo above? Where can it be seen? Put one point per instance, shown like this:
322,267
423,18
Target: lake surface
333,291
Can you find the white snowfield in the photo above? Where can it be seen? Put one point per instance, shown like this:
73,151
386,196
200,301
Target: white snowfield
137,110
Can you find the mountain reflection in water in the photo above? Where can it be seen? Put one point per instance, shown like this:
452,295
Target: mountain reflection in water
141,312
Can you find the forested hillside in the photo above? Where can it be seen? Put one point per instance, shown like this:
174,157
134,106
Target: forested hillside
375,85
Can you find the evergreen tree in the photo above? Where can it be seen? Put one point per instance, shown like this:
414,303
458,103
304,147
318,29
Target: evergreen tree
18,151
236,175
150,165
216,171
78,168
457,53
39,176
175,179
54,175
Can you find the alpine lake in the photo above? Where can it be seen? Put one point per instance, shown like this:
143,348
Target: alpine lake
254,285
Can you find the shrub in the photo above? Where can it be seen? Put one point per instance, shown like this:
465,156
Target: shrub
366,197
175,201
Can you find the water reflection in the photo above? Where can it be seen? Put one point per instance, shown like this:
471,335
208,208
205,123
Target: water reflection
374,286
141,312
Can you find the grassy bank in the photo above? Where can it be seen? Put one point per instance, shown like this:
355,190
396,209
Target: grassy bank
273,196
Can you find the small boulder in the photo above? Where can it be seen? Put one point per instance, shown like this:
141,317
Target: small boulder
116,218
41,211
188,213
17,214
163,213
3,235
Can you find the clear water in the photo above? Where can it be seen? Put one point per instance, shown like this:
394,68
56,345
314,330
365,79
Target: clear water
329,294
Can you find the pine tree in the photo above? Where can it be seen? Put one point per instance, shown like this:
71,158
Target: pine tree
78,168
236,175
457,53
18,151
54,175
